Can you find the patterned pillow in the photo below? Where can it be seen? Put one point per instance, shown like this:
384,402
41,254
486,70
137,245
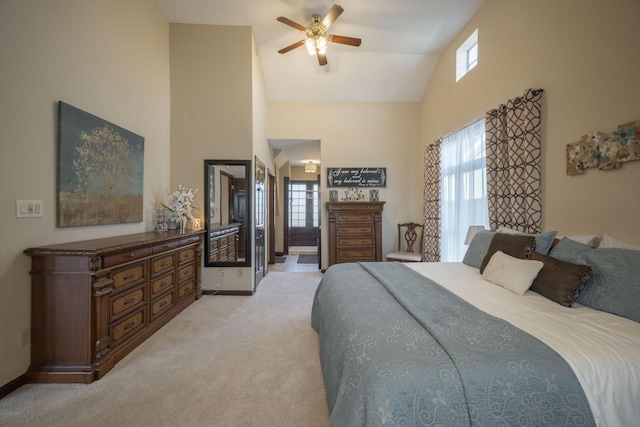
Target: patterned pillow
478,248
518,246
543,240
615,284
559,281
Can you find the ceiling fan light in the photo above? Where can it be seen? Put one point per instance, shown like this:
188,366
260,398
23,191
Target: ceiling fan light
321,42
311,48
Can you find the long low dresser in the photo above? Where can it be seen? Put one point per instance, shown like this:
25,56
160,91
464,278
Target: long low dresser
94,301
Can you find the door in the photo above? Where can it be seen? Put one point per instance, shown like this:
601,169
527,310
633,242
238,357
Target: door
303,215
260,216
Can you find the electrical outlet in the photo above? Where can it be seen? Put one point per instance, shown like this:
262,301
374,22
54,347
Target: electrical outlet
25,337
28,208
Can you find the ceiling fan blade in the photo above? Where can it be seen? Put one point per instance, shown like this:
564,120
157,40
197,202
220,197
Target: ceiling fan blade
290,23
322,58
335,11
291,46
346,40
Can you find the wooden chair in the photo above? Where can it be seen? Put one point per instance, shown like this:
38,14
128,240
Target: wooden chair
409,234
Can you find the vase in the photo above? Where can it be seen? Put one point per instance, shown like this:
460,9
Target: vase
181,224
172,225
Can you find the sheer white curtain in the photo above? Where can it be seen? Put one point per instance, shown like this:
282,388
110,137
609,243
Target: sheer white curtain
463,188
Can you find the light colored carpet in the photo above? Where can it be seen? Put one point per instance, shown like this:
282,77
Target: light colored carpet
224,361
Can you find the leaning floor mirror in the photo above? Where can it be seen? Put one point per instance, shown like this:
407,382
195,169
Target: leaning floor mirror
227,213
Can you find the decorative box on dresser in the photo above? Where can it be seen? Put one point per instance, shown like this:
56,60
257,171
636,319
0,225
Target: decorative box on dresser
94,301
355,231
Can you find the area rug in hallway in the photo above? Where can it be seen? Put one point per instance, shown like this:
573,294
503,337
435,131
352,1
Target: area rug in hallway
307,259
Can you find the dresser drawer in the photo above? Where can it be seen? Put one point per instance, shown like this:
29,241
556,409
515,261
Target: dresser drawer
186,255
185,273
161,305
160,264
161,284
348,255
189,240
165,246
185,289
126,256
126,327
354,217
126,302
350,230
129,275
349,242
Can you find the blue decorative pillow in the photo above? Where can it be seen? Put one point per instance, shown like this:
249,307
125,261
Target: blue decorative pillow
570,251
543,240
615,284
478,248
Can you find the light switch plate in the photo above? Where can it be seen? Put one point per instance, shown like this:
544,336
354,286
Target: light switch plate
29,208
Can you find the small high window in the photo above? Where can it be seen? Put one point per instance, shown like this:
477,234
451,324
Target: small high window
467,55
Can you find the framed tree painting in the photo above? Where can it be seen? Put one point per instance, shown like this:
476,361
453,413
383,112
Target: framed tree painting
99,171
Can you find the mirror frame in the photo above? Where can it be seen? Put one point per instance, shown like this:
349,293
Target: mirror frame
248,206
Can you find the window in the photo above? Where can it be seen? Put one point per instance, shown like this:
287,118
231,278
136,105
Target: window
303,204
467,55
464,188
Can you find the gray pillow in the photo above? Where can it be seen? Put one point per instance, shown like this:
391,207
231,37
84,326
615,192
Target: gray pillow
570,251
478,248
615,284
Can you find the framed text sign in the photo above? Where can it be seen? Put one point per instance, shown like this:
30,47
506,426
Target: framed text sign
357,177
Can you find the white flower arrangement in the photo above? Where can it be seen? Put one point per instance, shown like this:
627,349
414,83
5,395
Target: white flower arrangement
179,203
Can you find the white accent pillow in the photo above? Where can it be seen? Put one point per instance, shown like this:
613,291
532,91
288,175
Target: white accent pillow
608,241
513,274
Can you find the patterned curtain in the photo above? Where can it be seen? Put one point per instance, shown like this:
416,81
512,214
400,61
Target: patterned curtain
432,178
513,163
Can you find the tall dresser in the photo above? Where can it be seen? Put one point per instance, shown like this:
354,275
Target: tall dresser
355,231
94,301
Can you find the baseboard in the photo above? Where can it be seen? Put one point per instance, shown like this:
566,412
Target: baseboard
214,292
12,386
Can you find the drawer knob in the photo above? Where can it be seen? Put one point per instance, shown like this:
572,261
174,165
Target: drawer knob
129,301
131,255
129,326
129,276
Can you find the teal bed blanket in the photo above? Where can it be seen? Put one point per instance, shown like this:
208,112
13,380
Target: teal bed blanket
397,349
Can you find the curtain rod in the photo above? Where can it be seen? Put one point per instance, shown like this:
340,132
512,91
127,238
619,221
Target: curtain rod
461,127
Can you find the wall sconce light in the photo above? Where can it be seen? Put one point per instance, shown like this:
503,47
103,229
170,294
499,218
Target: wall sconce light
311,167
473,230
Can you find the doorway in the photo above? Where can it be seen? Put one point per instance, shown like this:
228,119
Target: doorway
302,218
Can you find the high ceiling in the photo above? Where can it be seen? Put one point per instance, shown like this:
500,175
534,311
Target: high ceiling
401,41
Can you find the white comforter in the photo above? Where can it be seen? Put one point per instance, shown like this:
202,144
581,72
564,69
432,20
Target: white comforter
602,349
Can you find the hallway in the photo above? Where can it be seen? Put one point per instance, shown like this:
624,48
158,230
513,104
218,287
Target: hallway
291,264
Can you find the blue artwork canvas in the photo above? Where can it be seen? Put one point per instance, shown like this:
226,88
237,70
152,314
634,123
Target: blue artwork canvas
99,172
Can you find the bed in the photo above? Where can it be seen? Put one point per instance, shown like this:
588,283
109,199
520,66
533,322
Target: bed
440,344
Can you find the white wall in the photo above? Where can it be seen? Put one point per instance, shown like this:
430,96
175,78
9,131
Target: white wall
584,54
357,135
107,57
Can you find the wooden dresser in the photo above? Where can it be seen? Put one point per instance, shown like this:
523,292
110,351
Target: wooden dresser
93,302
223,243
355,231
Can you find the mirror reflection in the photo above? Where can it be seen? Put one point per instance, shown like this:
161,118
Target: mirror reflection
227,204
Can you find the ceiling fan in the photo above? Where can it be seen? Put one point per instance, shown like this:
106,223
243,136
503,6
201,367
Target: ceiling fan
316,34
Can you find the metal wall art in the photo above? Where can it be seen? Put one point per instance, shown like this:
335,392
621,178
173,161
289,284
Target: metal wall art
605,150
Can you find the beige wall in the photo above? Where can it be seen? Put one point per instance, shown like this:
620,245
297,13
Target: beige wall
107,57
218,111
362,134
583,53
